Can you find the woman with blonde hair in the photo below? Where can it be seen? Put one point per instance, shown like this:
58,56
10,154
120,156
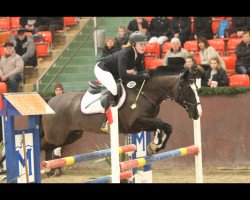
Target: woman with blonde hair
215,75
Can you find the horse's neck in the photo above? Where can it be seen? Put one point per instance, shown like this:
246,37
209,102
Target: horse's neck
162,87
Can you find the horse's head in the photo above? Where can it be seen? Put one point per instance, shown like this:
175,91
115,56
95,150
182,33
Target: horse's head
187,95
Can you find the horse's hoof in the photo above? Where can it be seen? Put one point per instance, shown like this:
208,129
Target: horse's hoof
152,148
56,173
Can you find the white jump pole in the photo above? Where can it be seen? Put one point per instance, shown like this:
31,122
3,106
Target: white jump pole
197,142
114,138
95,36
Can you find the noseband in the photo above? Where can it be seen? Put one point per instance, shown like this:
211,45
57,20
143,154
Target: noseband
185,103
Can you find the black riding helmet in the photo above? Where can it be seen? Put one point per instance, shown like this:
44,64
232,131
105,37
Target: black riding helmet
137,36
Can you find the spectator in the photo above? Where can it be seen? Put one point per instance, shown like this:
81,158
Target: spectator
11,67
51,24
122,37
58,89
203,28
26,48
239,25
181,28
30,23
175,57
207,52
192,65
215,75
138,24
159,30
110,47
243,55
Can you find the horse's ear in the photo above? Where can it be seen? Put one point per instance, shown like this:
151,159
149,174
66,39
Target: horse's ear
185,75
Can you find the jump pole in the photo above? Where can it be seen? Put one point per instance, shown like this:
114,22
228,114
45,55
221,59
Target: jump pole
112,115
130,164
197,142
107,179
61,162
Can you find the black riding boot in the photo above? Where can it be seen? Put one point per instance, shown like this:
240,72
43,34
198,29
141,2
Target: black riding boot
105,126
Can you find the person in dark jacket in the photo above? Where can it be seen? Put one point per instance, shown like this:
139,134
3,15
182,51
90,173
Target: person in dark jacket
239,25
51,24
26,48
30,23
159,30
215,75
110,47
121,37
138,24
243,55
181,28
123,65
203,28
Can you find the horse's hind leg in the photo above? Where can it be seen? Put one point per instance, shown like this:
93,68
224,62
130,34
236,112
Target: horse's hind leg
162,132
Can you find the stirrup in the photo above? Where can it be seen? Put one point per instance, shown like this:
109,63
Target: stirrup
105,127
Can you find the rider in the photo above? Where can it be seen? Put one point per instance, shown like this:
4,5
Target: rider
123,64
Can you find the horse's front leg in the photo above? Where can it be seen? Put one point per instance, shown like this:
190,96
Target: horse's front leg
162,132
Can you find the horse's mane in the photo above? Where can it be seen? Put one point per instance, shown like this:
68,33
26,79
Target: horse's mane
165,70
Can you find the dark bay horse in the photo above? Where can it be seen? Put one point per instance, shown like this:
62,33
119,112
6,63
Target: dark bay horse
68,123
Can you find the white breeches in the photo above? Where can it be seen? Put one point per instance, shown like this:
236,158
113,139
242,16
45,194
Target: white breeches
106,78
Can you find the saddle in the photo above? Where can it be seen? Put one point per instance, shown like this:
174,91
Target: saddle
106,96
98,99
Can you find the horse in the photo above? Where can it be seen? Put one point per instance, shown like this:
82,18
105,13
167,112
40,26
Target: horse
69,123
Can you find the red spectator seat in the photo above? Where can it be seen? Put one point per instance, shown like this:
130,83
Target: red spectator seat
47,36
197,58
43,49
4,24
148,19
60,36
5,36
14,22
215,26
166,46
218,44
155,63
147,62
232,54
229,62
1,51
191,46
232,43
239,80
70,21
152,49
3,89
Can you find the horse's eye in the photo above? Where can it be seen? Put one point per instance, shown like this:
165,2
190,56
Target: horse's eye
191,81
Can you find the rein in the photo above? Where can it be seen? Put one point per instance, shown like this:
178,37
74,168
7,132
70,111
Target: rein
163,91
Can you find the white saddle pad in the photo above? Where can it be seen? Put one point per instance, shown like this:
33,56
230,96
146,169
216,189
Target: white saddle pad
91,104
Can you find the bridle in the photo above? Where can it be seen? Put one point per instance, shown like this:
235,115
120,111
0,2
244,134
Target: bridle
184,102
180,99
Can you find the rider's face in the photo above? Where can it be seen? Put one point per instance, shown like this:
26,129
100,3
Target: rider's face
140,47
